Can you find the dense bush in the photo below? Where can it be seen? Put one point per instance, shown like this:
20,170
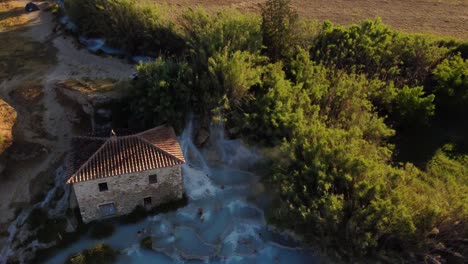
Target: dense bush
162,94
223,63
99,254
47,229
451,86
135,26
280,24
378,51
207,33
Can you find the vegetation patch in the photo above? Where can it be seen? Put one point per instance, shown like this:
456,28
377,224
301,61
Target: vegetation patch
99,254
20,55
86,86
7,121
29,94
47,229
139,27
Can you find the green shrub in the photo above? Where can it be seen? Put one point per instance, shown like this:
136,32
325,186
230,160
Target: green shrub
451,86
135,26
376,50
99,254
102,229
161,94
229,29
280,25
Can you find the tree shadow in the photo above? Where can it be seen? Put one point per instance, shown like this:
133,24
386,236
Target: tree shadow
11,13
419,144
13,18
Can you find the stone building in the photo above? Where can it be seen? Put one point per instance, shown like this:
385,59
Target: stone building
113,175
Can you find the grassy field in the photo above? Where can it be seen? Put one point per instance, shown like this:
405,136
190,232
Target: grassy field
441,17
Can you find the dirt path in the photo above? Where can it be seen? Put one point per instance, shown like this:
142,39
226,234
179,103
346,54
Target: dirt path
44,128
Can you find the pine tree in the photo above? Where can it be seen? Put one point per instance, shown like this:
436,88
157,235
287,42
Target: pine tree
279,28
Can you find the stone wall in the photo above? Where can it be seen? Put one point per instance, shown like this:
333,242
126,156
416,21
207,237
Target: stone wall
127,191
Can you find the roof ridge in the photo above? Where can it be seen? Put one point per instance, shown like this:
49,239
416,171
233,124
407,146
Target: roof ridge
91,137
160,149
89,160
150,130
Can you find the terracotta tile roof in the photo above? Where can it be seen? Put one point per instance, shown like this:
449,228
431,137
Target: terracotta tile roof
94,157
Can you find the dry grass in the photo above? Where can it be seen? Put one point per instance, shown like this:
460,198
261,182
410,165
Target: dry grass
440,17
27,98
19,55
7,120
90,86
28,93
12,15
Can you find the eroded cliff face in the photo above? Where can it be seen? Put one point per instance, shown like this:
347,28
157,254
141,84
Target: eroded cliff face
7,121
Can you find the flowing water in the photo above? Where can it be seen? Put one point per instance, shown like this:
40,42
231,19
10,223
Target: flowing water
53,207
232,228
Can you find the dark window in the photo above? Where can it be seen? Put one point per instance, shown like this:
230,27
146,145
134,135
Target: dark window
147,201
103,187
153,179
107,209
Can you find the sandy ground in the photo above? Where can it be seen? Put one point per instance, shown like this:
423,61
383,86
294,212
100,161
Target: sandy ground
441,17
7,121
44,127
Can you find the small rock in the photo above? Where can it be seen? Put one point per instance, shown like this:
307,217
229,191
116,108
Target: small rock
31,7
202,137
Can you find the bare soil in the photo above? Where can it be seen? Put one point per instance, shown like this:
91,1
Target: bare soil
7,121
440,17
12,15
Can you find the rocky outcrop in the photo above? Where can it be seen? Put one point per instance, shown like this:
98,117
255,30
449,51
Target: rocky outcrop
90,98
202,136
7,121
202,132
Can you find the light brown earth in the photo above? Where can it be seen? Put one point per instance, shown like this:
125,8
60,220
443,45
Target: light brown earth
7,121
12,15
32,60
441,17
